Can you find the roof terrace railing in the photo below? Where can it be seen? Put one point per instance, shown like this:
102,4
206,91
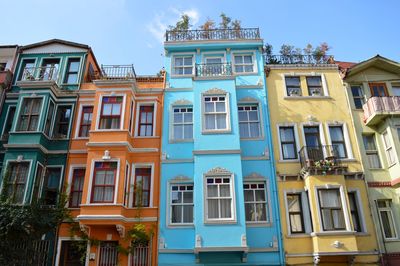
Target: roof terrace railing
114,72
213,70
298,59
214,34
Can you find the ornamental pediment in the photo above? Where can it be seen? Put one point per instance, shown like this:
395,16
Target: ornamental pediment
182,102
254,176
218,171
215,91
180,178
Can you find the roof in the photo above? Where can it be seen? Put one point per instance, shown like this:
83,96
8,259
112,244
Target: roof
8,46
74,44
345,65
377,61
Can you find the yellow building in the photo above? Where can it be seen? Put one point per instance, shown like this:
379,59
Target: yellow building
325,214
374,97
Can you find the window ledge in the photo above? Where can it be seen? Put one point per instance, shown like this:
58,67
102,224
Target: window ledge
349,160
146,137
298,235
363,234
81,138
220,222
289,161
107,130
175,141
376,169
213,132
214,77
258,224
244,73
182,76
393,164
329,233
392,240
249,139
307,97
180,226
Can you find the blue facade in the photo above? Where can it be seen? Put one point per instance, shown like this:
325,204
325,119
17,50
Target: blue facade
218,202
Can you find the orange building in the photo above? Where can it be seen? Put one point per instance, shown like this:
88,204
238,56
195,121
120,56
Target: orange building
112,172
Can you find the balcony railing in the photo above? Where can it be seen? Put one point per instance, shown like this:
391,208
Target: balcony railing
114,72
377,108
215,34
298,59
213,70
323,158
44,73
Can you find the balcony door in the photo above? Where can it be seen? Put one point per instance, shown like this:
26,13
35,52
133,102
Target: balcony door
49,69
313,142
213,66
378,90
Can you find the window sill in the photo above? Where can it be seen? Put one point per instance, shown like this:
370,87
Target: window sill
107,130
182,76
180,226
146,137
300,235
349,160
392,240
362,234
393,164
307,97
329,233
181,141
211,132
81,138
249,139
289,161
220,222
376,169
258,224
245,73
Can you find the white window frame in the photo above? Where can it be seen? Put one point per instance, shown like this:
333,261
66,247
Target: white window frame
227,111
346,137
53,115
18,112
389,148
387,209
370,152
233,201
174,56
296,136
321,134
260,118
284,76
122,116
266,204
61,63
325,89
78,124
91,178
305,207
169,203
172,138
345,208
133,182
44,175
70,177
27,182
127,183
360,209
244,53
34,180
147,103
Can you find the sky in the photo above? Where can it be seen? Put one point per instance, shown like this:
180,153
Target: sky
131,31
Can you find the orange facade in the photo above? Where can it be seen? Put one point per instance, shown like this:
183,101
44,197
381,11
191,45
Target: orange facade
112,172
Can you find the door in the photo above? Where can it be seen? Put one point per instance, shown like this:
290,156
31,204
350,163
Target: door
49,69
378,89
313,143
71,254
214,66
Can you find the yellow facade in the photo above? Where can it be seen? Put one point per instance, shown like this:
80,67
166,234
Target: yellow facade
325,214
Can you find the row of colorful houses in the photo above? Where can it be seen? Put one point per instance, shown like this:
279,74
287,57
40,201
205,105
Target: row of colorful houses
227,157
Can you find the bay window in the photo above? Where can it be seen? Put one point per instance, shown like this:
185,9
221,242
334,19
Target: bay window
29,114
71,76
16,183
63,117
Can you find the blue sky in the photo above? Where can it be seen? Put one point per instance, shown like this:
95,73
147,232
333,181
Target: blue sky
130,31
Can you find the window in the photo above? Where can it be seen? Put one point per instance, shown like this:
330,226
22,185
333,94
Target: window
71,76
104,182
331,209
255,202
288,143
181,204
142,187
398,133
108,253
295,212
371,151
219,198
63,117
3,66
26,71
29,114
249,121
396,89
49,118
86,121
388,148
75,196
18,173
110,116
358,96
71,254
51,185
313,143
378,89
213,67
146,114
293,87
354,211
387,220
215,113
183,65
49,69
337,141
244,63
314,85
9,122
131,123
38,181
182,123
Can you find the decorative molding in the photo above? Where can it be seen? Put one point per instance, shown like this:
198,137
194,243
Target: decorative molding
121,230
161,243
215,91
84,228
248,99
254,176
178,161
244,240
218,171
198,241
114,218
181,178
207,152
379,184
182,102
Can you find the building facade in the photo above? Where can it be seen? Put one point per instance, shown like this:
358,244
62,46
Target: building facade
217,196
37,114
8,57
373,87
112,170
325,214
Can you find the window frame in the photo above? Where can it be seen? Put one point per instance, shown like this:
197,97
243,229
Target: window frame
390,148
346,138
80,120
100,109
359,210
143,174
266,202
244,53
230,220
6,120
37,182
358,97
301,213
131,200
385,90
67,72
39,115
338,142
296,142
22,67
288,93
170,204
71,190
42,196
137,117
29,170
248,122
50,117
172,123
55,122
147,123
372,152
310,88
183,55
204,113
390,210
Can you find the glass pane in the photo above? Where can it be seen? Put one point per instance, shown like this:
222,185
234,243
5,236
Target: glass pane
100,176
338,219
109,178
221,121
225,190
178,132
72,78
212,191
248,195
326,218
287,134
176,197
329,198
108,193
98,194
188,70
178,61
293,203
260,195
288,151
107,109
387,224
244,130
210,121
255,130
209,107
369,142
178,117
247,59
248,68
238,59
225,208
116,109
176,214
243,116
250,210
188,61
188,131
261,214
336,133
220,106
296,223
213,208
188,214
314,81
188,117
188,197
253,116
292,81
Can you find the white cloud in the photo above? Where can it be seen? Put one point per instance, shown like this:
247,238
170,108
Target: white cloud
162,20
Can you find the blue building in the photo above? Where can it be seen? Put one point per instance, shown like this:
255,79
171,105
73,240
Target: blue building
218,193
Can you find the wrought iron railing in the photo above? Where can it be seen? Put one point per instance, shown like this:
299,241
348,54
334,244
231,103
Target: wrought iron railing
298,59
32,253
44,73
114,72
388,105
214,34
212,70
323,157
141,256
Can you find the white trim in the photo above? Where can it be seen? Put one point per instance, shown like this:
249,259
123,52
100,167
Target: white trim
360,209
296,138
303,76
78,123
390,209
171,122
243,53
305,209
51,126
127,183
227,110
34,180
144,165
388,131
171,183
346,138
6,118
257,103
57,79
268,205
72,167
182,54
321,134
117,217
91,177
100,107
138,105
30,161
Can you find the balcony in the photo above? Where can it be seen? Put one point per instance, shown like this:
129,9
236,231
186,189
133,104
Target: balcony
376,109
299,59
5,78
215,34
114,73
39,77
213,70
319,160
